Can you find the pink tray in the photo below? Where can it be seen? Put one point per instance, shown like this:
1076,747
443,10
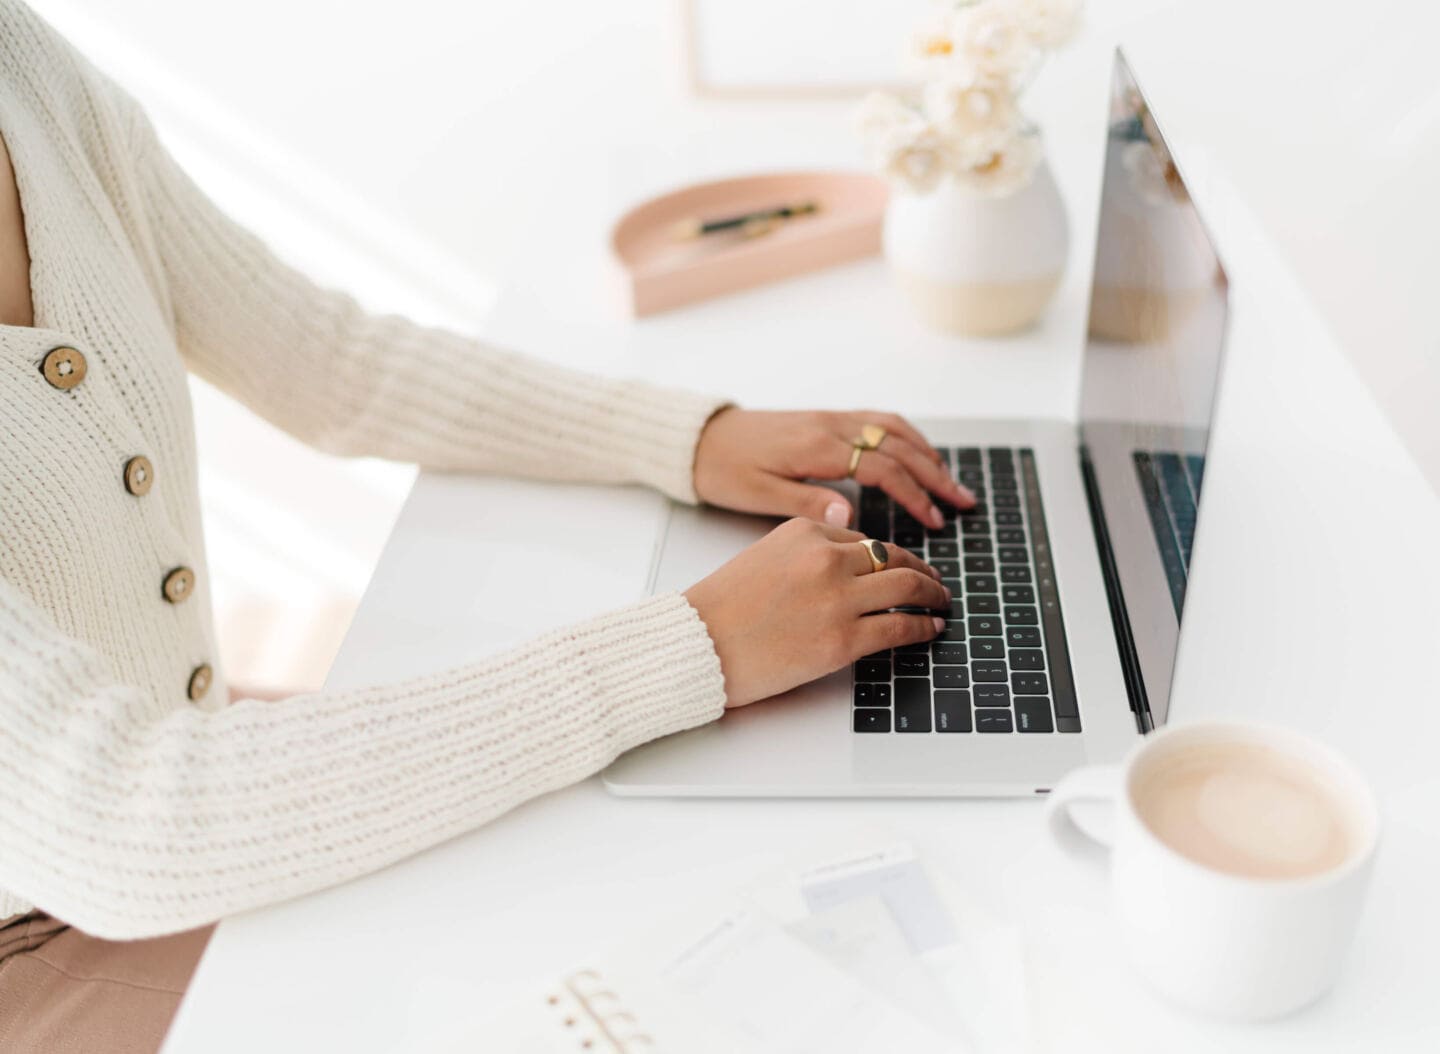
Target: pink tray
661,272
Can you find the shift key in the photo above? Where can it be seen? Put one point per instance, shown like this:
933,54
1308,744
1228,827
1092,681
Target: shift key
912,704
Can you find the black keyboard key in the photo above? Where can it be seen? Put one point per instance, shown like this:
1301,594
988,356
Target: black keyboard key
957,608
979,565
912,704
912,665
1007,501
1002,482
911,649
951,677
1030,684
953,631
973,527
952,711
985,720
984,604
988,648
1014,573
981,584
976,510
984,626
872,695
971,475
908,537
1018,595
1022,615
945,531
947,568
978,545
1014,555
869,670
988,672
967,455
1010,536
1027,659
992,695
953,584
1023,636
1033,715
872,720
944,550
948,654
1001,453
1008,519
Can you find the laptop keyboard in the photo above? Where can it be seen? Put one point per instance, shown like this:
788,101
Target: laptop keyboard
1171,485
1001,666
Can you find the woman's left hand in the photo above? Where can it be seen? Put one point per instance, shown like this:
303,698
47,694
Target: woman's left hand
758,461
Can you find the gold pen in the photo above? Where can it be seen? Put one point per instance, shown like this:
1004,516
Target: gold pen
749,224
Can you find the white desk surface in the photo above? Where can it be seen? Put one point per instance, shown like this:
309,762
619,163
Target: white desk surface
1312,603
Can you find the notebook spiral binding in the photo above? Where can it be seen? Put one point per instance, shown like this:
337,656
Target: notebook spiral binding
595,1015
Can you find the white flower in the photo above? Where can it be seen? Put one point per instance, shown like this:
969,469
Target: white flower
984,110
902,144
933,46
990,43
1004,167
919,162
1049,23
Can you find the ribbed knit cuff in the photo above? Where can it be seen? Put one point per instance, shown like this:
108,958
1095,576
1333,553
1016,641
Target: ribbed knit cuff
655,666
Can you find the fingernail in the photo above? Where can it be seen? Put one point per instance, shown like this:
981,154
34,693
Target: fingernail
939,624
966,494
837,514
948,594
936,520
933,573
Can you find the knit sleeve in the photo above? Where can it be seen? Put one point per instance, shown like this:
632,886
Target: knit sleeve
127,826
312,362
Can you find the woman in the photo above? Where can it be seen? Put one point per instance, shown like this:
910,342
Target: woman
137,804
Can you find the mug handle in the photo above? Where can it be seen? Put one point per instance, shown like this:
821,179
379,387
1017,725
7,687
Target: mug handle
1098,783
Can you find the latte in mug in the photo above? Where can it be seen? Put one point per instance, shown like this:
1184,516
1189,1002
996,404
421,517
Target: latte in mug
1246,809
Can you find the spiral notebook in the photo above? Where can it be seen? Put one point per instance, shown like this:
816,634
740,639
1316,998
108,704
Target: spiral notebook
859,955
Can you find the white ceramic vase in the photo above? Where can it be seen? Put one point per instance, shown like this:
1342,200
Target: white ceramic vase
977,265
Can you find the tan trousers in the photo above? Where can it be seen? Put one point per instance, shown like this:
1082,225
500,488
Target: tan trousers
62,992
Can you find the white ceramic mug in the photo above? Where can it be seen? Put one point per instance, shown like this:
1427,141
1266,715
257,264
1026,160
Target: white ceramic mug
1219,943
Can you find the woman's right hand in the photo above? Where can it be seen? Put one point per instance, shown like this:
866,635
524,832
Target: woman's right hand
804,600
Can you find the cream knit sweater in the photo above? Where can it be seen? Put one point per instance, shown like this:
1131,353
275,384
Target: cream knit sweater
129,810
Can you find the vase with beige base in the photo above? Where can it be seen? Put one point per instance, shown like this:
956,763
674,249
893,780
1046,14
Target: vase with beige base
975,231
974,264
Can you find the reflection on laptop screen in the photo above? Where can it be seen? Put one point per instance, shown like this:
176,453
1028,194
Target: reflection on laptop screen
1152,358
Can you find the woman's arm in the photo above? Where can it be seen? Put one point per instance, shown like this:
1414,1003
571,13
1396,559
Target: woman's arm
127,825
311,361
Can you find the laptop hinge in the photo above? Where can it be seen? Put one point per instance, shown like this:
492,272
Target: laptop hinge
1119,617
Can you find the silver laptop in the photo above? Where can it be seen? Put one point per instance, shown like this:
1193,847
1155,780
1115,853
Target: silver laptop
1069,577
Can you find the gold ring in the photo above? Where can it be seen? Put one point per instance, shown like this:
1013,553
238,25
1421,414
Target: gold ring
872,436
876,551
855,451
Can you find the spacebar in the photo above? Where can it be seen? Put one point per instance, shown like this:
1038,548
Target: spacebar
1062,680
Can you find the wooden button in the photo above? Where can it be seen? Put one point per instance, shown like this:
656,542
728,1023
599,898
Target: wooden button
63,367
139,474
200,679
178,584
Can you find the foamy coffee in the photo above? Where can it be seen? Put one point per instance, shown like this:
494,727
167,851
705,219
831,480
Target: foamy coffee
1245,809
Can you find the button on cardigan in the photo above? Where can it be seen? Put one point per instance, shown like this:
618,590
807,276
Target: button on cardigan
134,799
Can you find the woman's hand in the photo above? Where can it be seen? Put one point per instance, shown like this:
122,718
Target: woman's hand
756,461
805,600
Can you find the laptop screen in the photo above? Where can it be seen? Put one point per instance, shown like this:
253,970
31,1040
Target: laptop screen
1152,357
